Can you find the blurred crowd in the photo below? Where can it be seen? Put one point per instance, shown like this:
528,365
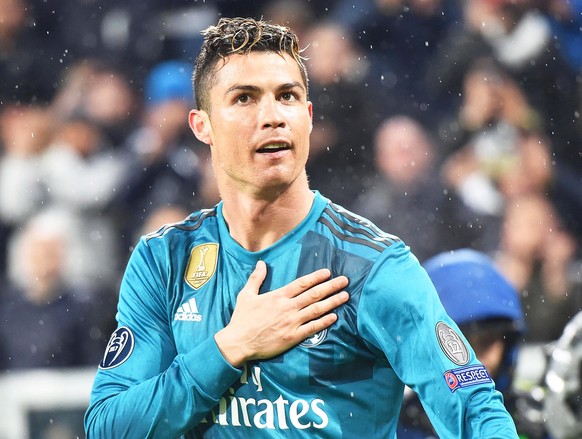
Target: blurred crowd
450,123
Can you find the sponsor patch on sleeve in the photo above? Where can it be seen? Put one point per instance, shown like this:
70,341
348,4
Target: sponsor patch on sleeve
466,377
119,348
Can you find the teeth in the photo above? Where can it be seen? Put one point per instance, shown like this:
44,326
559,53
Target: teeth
274,146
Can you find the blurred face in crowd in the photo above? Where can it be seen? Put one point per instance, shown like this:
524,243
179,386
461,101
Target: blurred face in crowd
109,99
403,151
42,258
81,136
489,348
12,15
528,220
329,53
25,131
258,123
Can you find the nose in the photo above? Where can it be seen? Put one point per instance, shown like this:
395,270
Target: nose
272,116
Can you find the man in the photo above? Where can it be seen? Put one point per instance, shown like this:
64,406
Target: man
225,322
45,318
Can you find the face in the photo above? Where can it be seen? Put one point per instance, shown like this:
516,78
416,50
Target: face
527,223
403,151
489,349
258,124
43,256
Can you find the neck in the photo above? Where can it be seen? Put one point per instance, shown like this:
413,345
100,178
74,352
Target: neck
257,222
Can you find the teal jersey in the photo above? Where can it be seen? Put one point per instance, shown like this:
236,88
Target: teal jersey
163,376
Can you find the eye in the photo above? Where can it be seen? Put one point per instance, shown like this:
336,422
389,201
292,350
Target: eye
288,96
243,99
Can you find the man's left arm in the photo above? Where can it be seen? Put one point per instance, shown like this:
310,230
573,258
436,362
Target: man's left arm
400,314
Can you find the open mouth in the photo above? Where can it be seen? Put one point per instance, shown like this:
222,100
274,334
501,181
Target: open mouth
273,147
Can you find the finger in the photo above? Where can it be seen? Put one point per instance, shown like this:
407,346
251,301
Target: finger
322,307
312,327
306,282
321,291
256,278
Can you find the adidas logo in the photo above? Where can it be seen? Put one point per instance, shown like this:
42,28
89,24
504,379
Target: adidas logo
188,311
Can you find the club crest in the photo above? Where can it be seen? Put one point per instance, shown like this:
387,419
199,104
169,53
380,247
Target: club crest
314,340
201,265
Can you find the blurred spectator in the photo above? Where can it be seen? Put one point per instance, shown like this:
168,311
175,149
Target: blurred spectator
498,165
567,198
408,198
29,65
344,116
110,103
82,174
105,29
488,311
518,37
25,132
162,30
497,148
566,20
44,322
68,166
136,34
79,27
297,15
537,257
100,92
493,106
163,167
398,37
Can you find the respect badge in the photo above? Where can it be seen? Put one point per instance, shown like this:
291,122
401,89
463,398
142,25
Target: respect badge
466,377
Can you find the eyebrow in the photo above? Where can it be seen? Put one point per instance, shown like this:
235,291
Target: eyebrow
290,85
241,87
255,89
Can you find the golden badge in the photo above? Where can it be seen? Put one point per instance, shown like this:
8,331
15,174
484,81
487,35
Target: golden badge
202,264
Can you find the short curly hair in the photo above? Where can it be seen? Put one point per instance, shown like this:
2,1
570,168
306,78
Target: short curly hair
240,36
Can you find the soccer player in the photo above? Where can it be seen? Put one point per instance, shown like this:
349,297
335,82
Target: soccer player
237,321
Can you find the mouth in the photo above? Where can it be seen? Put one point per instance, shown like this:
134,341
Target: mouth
273,147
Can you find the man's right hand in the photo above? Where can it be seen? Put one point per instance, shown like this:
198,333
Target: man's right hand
265,325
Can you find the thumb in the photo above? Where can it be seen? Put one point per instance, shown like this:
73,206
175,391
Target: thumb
256,278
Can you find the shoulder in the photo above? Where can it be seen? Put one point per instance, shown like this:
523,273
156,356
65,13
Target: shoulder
355,230
199,221
174,239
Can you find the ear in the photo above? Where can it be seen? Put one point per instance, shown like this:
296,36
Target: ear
310,110
200,125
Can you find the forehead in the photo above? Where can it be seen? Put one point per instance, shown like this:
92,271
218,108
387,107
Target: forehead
257,68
